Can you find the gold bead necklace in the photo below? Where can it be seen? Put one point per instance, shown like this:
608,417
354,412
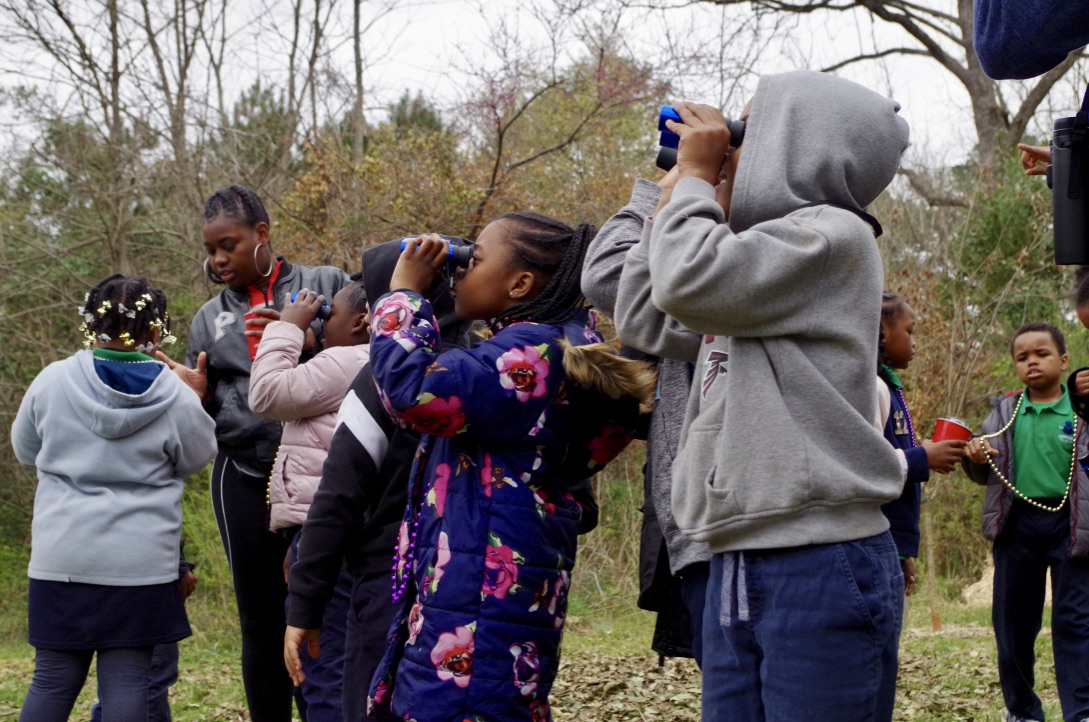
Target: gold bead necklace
1011,487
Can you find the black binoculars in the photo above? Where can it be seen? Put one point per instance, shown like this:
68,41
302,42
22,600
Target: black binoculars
1068,178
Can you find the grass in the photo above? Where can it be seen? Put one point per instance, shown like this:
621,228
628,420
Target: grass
609,672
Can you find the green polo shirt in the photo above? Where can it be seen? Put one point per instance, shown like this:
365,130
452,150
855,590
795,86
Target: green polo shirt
1043,442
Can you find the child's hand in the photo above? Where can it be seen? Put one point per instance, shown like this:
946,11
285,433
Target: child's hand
420,263
1032,155
943,456
979,450
1081,383
187,585
293,639
303,310
196,379
908,565
704,143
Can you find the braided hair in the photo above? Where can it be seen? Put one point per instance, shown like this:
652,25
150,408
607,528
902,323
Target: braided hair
892,304
238,203
126,309
357,294
555,251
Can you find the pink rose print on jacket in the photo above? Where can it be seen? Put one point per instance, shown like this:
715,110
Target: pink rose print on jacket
452,655
381,695
435,416
442,558
500,569
394,314
437,496
527,667
538,710
613,439
415,622
492,476
524,371
402,549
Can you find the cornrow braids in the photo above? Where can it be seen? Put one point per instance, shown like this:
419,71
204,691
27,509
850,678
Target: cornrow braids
125,309
891,306
357,295
556,251
237,202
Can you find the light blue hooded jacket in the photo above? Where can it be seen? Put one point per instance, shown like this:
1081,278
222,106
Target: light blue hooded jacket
111,470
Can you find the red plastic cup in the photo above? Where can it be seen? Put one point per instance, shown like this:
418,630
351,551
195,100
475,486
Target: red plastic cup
252,340
947,429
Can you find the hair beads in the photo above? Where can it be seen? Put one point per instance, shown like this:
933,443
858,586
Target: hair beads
128,309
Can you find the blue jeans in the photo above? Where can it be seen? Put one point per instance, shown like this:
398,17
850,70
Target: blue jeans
123,676
805,633
1031,542
164,673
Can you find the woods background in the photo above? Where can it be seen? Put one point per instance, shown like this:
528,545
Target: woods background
123,115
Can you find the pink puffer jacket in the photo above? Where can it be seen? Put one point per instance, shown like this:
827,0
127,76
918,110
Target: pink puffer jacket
306,397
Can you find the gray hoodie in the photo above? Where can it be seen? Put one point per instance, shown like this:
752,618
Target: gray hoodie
111,471
780,451
616,253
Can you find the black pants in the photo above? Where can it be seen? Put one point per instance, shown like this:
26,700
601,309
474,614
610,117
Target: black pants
365,642
256,556
1032,542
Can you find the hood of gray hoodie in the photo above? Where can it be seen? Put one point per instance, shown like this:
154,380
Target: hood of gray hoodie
796,119
110,413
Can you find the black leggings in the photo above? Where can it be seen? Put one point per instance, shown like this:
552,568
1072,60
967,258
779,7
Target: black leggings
256,556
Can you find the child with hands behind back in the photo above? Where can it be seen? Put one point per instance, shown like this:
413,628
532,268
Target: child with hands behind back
897,348
486,550
1036,511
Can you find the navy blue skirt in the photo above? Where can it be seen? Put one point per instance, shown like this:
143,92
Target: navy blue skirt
69,615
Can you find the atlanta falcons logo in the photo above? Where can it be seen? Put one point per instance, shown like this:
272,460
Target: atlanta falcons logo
716,366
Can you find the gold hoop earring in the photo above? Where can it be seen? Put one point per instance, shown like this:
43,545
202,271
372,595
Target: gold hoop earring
271,263
212,275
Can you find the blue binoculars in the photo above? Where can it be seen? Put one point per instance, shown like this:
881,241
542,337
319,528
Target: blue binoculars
668,140
323,311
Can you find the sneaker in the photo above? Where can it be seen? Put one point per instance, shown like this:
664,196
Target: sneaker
1011,717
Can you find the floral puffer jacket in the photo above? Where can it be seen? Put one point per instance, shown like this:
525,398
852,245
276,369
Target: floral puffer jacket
486,552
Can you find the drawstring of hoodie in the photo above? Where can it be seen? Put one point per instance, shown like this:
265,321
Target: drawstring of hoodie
734,589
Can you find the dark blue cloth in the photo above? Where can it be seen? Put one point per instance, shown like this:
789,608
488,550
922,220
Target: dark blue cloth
59,676
1031,542
321,691
365,638
69,615
130,377
903,513
163,675
490,538
1026,38
803,633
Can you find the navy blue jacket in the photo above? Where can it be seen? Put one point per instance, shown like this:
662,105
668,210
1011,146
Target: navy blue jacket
903,513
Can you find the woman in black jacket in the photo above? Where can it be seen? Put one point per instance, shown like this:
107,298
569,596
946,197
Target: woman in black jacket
222,341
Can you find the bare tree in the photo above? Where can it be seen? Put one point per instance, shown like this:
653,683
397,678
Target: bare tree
942,31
